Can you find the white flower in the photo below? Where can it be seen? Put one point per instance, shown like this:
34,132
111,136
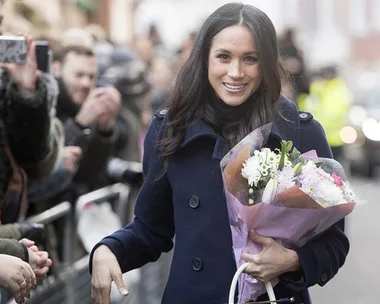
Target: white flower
261,165
328,191
251,170
270,191
320,186
348,193
285,179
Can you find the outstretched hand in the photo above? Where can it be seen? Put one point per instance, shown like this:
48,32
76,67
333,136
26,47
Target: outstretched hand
17,276
38,260
105,269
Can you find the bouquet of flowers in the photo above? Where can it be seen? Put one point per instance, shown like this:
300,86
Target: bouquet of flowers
280,194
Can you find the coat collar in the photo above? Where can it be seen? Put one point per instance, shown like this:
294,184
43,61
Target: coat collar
280,129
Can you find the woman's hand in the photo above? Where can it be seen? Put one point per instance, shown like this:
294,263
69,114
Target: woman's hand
17,276
24,76
272,261
105,269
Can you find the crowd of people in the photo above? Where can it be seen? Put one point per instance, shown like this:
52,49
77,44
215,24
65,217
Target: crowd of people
60,131
101,101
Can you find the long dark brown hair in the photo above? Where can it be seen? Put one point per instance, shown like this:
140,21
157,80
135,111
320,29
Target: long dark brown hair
189,100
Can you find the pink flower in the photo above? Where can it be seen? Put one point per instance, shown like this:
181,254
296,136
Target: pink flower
337,180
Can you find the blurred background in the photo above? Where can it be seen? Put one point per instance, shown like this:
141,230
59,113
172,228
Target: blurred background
330,49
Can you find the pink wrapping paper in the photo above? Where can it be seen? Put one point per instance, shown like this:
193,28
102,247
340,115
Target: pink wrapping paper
292,219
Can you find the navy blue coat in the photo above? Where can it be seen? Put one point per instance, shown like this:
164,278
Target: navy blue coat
188,202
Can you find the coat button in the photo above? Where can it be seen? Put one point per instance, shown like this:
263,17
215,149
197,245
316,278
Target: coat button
324,277
304,115
194,201
197,264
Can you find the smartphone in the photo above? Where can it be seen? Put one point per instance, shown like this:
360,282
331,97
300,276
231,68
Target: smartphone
43,55
13,49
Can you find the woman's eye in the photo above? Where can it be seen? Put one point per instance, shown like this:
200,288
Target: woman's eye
223,56
252,59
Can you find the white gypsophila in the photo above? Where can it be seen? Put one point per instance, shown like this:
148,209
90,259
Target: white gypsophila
287,162
285,179
348,193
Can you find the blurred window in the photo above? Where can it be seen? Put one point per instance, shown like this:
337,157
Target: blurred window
375,14
371,99
357,12
291,18
311,13
325,15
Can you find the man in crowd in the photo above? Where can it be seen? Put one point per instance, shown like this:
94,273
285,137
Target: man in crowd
87,113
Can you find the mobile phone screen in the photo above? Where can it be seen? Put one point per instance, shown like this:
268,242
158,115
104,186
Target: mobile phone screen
43,55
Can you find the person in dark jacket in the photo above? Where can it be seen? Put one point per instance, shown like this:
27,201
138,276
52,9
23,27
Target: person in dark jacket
29,149
88,115
229,86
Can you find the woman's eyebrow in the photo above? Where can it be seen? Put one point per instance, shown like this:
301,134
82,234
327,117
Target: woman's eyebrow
221,50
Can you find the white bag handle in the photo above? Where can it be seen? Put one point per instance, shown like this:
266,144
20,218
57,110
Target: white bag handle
268,286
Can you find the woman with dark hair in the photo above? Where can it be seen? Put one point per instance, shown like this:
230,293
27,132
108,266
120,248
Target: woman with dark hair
229,86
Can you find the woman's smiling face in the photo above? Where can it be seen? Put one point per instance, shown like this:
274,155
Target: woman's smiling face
233,66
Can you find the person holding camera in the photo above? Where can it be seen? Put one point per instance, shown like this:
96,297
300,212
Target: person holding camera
29,149
88,114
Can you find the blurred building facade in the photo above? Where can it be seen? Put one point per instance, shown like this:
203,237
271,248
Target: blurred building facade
345,33
341,32
52,17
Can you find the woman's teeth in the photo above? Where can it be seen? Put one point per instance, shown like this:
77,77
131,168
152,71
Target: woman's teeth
233,87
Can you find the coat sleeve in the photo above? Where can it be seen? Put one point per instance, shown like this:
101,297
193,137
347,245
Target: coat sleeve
152,229
14,248
35,136
96,148
321,257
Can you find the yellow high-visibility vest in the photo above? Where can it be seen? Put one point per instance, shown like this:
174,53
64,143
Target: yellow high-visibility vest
329,102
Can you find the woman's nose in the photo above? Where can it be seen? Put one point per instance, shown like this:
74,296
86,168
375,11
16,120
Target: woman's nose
235,70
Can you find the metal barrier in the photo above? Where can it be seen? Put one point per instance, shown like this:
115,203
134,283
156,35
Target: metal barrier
72,284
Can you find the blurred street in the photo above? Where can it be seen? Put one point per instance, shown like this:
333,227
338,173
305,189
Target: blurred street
116,64
357,282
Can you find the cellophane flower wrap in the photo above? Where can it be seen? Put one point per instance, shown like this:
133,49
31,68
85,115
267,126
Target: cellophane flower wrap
280,194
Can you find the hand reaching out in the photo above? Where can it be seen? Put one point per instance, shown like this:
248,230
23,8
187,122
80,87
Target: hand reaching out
17,276
105,269
71,156
38,260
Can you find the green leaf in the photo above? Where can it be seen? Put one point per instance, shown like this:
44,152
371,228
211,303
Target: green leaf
297,169
319,164
295,154
286,146
89,6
